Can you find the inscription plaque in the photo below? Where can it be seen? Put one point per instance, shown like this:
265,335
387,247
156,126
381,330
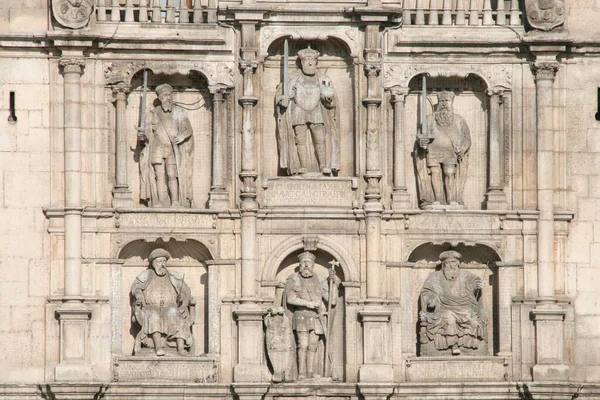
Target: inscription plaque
437,369
182,369
307,192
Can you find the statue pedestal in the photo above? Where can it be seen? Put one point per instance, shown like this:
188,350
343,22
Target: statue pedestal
74,353
457,368
218,199
549,346
177,369
252,366
122,198
495,200
377,364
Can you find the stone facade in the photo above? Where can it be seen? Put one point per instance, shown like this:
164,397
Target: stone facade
77,91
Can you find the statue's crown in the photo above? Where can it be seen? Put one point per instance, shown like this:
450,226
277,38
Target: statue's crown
307,255
164,88
302,54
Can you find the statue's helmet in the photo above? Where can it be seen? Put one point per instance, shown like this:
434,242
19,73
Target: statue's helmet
450,254
157,253
164,88
304,53
307,255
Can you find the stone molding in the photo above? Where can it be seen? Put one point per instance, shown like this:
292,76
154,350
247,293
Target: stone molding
350,36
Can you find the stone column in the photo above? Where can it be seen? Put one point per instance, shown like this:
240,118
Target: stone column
495,198
252,366
218,197
400,197
121,192
548,315
73,314
375,318
214,308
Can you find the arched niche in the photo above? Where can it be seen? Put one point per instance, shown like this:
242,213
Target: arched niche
189,258
473,104
336,62
192,94
478,259
289,266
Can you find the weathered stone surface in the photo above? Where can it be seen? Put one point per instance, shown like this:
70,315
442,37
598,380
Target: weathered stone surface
309,192
174,369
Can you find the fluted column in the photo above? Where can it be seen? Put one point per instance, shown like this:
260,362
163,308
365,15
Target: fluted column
400,197
548,315
73,314
218,197
495,198
121,193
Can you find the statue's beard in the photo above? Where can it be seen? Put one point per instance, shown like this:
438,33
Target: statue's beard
451,273
306,272
444,117
167,106
309,70
161,271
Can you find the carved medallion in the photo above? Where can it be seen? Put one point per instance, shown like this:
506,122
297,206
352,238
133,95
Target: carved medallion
545,14
74,14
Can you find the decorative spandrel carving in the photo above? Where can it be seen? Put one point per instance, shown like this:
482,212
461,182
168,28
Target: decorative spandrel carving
163,307
452,319
545,15
442,157
74,14
300,334
166,156
308,125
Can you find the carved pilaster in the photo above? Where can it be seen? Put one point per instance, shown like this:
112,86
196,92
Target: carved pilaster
400,197
495,198
218,197
121,193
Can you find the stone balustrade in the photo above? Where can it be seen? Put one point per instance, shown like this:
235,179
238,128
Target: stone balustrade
156,11
464,13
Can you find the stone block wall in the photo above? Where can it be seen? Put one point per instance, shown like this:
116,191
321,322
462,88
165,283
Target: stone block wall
25,188
24,16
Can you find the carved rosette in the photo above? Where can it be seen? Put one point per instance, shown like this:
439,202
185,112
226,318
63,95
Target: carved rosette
74,14
545,15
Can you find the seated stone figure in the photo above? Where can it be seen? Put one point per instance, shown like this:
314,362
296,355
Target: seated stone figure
163,306
451,316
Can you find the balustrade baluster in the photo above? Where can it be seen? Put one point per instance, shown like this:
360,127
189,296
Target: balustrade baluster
156,17
212,11
184,13
473,13
129,11
170,18
197,18
406,15
460,13
447,13
514,13
115,11
143,17
501,13
487,13
433,13
101,11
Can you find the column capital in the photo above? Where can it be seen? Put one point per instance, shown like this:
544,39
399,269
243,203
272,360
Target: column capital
545,70
72,65
120,91
399,93
372,68
248,66
218,91
495,92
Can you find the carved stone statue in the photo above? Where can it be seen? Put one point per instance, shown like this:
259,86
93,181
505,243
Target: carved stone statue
163,307
451,315
166,158
308,297
442,156
309,139
73,14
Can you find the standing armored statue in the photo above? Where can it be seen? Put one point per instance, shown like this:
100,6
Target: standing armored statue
305,295
442,156
161,307
307,122
451,315
166,158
